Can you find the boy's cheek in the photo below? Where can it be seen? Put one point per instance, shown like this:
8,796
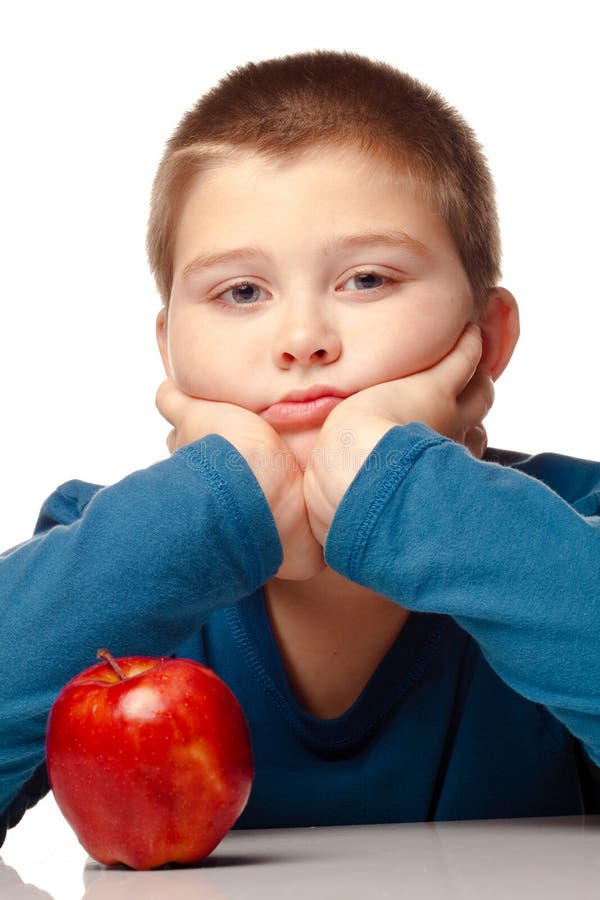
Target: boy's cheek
205,369
204,386
422,351
191,369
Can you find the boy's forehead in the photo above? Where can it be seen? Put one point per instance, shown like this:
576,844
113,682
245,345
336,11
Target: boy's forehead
334,188
350,159
340,200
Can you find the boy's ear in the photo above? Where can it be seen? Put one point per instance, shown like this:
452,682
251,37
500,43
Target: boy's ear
161,338
499,323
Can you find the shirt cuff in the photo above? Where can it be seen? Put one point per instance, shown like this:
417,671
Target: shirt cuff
384,469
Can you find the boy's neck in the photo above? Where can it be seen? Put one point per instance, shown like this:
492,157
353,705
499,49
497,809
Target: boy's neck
332,634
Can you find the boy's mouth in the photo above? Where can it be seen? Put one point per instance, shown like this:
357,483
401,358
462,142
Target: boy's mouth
303,408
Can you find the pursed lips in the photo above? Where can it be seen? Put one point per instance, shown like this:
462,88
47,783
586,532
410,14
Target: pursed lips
303,408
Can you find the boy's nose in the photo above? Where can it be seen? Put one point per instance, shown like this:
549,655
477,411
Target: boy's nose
305,342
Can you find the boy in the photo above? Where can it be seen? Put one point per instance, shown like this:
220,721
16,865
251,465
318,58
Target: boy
411,630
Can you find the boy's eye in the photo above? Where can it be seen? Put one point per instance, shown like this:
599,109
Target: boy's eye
366,280
247,293
243,294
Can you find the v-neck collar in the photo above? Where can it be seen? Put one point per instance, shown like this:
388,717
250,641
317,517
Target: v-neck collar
400,669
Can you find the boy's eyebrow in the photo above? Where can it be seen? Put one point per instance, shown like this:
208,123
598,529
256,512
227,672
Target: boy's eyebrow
394,237
206,260
391,237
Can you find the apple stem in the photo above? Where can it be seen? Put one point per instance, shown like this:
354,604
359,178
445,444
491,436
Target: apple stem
105,655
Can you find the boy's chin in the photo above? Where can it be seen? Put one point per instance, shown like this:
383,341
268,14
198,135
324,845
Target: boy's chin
301,444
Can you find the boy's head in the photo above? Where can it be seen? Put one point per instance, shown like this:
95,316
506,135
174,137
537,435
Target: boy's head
279,107
291,156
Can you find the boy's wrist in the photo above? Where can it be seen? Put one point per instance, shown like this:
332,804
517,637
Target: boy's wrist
338,456
390,460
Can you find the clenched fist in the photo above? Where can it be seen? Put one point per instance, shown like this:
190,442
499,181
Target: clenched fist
274,466
452,397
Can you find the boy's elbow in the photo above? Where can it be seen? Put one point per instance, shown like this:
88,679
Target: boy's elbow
13,810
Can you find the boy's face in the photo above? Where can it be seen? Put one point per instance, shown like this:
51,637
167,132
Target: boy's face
312,292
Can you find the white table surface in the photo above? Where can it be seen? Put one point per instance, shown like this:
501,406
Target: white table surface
487,860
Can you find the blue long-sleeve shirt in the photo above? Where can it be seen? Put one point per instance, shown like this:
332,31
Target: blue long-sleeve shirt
487,704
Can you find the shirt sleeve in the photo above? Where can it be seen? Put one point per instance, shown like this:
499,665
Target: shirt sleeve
436,530
136,567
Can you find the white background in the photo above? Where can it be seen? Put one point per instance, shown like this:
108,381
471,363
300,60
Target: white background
91,92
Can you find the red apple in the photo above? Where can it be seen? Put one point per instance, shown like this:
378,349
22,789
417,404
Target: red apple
149,760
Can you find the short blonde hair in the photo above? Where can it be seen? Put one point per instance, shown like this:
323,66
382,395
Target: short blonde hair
326,98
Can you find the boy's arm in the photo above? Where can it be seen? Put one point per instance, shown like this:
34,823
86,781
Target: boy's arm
142,566
434,529
274,465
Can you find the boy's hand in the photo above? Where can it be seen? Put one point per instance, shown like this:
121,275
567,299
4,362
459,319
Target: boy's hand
273,464
452,397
